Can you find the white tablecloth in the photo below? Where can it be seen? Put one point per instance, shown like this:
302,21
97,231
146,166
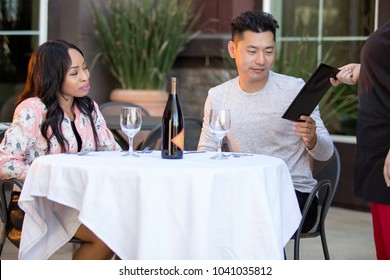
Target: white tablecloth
150,208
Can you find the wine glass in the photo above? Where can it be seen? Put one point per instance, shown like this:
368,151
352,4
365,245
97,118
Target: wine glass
131,120
219,126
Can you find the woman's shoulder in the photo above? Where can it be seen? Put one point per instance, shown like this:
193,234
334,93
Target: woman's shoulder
32,103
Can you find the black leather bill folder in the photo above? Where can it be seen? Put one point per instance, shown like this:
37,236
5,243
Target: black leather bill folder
311,93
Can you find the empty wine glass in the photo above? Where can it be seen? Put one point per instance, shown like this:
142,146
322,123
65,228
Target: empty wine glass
219,126
131,120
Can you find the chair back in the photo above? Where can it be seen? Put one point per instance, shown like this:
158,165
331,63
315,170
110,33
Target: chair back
6,187
327,173
111,108
111,111
2,133
328,170
192,126
153,140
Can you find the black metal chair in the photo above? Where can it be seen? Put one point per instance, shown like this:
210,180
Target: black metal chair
113,108
327,173
6,187
193,127
2,132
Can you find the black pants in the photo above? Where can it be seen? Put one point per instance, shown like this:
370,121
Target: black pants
312,214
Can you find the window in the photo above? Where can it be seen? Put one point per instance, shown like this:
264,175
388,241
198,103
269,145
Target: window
328,31
314,31
22,29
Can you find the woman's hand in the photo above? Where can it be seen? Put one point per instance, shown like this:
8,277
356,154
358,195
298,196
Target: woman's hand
349,74
386,169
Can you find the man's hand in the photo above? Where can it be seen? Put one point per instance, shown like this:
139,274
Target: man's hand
307,130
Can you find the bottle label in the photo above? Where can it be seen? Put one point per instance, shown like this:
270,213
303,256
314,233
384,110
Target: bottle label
178,140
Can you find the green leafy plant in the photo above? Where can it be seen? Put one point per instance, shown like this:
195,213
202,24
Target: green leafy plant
338,107
140,39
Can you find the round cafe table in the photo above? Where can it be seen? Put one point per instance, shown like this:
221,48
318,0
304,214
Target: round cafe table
151,208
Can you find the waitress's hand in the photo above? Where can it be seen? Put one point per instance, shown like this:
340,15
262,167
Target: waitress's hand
386,169
349,75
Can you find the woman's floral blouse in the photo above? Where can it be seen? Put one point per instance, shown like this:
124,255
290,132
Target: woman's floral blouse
23,141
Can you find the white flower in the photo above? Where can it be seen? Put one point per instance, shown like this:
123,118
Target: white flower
11,169
27,117
84,120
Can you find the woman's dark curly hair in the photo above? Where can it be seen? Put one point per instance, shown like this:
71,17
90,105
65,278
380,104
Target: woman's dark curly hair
47,70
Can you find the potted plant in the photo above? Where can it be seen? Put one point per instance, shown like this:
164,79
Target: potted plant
139,42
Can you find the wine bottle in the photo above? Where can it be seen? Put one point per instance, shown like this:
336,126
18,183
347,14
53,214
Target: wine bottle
172,130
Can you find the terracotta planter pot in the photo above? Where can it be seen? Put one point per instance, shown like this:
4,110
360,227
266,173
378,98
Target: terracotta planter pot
152,100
